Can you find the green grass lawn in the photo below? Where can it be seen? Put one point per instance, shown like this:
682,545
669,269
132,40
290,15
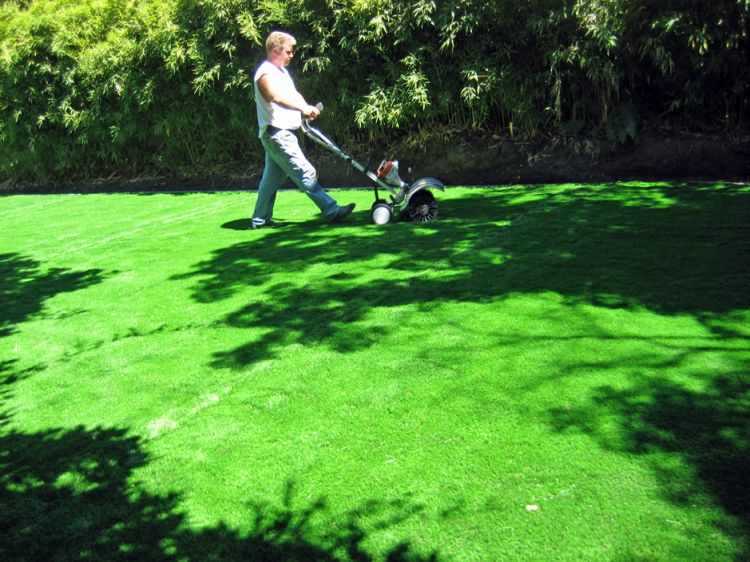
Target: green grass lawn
557,372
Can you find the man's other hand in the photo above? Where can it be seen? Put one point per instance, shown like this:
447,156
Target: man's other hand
311,112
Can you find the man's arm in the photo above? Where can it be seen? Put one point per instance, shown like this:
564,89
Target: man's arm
271,93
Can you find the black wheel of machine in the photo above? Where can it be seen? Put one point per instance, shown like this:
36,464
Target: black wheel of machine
381,212
422,207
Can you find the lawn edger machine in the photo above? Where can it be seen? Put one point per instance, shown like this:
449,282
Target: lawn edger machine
414,200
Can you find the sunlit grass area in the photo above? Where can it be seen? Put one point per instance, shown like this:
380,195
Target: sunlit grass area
555,372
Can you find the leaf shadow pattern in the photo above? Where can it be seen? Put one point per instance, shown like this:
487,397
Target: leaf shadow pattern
25,286
10,373
707,429
70,494
615,246
277,532
675,250
65,496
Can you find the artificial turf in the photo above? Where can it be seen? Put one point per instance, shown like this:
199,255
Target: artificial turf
553,372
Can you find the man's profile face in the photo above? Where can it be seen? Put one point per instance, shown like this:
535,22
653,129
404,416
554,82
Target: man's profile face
286,53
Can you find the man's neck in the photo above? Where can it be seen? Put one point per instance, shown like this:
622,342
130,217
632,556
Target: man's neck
276,62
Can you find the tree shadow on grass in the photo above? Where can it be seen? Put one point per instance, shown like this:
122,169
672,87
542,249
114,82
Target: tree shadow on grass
683,249
71,495
25,286
706,430
676,250
65,496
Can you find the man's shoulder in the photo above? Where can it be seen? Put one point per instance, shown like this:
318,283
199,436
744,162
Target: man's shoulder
265,67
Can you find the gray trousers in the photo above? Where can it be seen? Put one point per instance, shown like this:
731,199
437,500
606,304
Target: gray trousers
284,159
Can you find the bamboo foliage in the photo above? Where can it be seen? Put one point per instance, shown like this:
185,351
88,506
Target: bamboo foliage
100,87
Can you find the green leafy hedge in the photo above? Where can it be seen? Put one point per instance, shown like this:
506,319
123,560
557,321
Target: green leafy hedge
96,87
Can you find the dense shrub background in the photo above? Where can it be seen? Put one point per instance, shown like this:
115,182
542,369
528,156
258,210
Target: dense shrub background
99,87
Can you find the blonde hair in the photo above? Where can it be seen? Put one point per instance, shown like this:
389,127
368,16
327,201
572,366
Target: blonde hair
278,40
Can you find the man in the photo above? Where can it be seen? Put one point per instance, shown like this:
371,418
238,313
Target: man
281,109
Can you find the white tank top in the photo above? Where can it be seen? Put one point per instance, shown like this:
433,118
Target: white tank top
270,113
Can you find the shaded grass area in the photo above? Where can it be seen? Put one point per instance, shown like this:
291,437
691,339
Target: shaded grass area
672,257
66,496
175,389
24,288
